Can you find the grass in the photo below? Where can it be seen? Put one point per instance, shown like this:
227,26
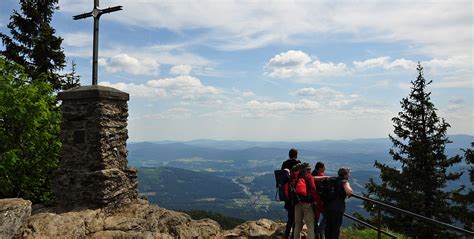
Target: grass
353,233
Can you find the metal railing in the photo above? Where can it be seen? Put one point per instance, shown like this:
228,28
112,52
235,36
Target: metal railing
379,230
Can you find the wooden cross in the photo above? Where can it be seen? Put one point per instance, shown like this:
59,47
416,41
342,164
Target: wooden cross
96,13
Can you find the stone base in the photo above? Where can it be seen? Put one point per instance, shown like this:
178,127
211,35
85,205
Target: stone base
109,188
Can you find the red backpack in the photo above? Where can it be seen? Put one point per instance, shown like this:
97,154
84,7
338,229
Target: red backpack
300,187
297,189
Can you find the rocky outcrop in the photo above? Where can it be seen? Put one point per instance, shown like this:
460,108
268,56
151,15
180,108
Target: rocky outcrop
262,228
14,213
137,220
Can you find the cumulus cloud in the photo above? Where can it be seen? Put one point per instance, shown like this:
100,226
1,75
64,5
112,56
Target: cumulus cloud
184,87
385,63
299,64
180,70
131,65
401,64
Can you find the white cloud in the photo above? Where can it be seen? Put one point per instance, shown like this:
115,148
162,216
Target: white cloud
305,104
248,94
465,81
371,63
137,90
269,106
132,65
328,97
290,59
460,62
262,109
299,64
385,63
77,39
177,113
181,70
182,87
437,28
160,54
455,62
324,93
401,64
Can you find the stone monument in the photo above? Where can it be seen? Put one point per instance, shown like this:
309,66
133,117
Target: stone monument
93,166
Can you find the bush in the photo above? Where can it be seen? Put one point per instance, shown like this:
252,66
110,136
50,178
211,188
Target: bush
29,135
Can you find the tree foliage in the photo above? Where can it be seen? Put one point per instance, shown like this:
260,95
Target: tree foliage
32,43
29,135
226,222
419,183
464,197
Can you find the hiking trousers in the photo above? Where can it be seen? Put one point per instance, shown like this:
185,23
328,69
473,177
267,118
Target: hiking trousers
290,224
304,211
333,224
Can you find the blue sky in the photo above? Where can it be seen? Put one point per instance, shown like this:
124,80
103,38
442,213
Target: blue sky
274,70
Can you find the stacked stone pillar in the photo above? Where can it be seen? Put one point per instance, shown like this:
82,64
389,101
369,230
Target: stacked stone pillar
93,167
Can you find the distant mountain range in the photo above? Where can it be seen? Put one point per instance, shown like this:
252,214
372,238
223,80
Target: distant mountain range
238,156
236,178
459,141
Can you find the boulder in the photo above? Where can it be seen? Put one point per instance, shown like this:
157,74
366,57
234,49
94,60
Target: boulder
14,213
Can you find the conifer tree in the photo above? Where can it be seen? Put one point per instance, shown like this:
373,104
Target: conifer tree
418,183
464,198
32,42
72,78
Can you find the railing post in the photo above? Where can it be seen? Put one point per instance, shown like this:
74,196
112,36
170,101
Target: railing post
379,223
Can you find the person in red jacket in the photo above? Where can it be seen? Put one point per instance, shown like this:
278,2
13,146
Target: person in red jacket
318,172
304,208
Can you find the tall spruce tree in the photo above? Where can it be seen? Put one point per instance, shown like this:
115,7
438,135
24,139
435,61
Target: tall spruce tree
464,198
419,183
32,42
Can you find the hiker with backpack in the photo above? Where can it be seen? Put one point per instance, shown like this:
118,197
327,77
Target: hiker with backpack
319,225
337,191
306,197
289,164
